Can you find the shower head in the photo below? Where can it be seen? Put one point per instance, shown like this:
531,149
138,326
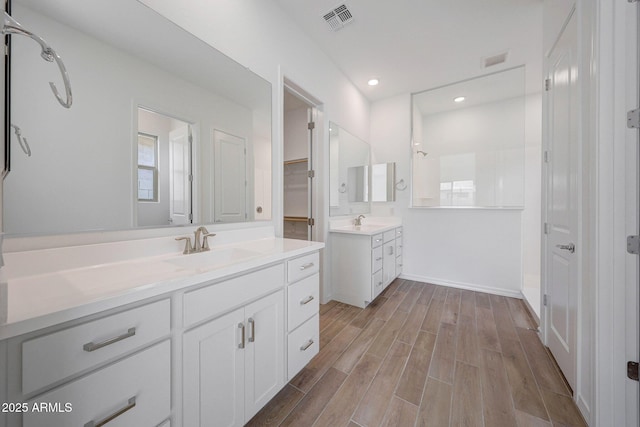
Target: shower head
11,26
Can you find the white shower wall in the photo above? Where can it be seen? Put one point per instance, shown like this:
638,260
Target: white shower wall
496,250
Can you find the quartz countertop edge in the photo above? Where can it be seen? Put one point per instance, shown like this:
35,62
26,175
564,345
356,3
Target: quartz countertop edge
365,229
21,319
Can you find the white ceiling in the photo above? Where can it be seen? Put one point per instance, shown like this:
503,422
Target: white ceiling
414,45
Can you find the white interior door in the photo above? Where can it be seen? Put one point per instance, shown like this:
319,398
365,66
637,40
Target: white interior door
230,177
180,175
562,179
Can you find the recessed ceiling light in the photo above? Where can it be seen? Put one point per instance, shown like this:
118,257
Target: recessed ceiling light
373,82
458,99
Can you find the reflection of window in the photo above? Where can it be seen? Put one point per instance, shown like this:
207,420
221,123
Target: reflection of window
147,168
457,193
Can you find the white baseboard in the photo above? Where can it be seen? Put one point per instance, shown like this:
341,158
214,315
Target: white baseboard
584,409
467,286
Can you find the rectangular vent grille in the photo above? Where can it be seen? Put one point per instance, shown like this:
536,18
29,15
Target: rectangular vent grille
338,17
490,61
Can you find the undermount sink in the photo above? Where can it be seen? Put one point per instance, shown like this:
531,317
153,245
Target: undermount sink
364,227
212,259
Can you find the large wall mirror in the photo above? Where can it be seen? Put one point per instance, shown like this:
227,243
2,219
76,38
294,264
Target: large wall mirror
164,130
349,173
468,141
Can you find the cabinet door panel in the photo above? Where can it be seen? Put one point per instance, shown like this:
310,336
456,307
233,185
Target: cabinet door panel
388,262
213,384
264,353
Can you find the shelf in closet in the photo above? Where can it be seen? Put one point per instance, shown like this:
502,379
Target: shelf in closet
295,161
296,219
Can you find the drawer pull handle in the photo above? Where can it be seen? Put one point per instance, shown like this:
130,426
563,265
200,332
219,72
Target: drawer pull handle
307,300
307,345
378,240
130,405
252,323
91,346
379,259
308,265
241,327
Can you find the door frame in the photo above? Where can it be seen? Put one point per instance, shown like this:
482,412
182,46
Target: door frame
313,143
614,85
320,184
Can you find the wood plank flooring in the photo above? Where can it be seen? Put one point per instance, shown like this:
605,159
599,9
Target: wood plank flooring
426,355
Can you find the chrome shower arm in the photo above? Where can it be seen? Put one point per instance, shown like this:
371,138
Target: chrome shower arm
65,77
22,140
11,26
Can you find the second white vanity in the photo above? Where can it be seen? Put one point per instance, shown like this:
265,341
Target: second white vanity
365,259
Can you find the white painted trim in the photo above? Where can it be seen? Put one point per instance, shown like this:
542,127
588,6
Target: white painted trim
610,407
320,155
461,285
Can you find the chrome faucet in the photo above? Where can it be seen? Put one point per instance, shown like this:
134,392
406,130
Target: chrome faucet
201,244
358,222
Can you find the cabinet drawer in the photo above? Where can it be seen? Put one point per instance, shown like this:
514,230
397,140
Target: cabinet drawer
303,344
303,300
399,246
398,266
376,259
138,387
56,356
205,303
377,240
302,267
389,235
376,285
399,232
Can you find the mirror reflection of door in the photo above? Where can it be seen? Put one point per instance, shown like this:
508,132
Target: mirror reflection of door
230,177
179,176
163,170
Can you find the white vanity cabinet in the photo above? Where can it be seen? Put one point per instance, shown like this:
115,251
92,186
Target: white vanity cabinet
364,264
232,365
209,353
303,325
117,367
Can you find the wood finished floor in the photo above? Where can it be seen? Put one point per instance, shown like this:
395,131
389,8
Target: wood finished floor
426,355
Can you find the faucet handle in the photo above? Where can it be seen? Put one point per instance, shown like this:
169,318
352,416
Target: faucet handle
187,244
205,242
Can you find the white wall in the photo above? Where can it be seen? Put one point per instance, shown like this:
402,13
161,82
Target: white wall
469,144
296,134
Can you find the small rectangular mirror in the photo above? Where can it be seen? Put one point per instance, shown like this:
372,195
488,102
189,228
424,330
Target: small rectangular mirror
383,182
349,180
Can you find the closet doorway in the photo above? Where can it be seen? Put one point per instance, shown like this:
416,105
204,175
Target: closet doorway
298,192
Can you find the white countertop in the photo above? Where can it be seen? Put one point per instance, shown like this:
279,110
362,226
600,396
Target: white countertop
42,300
366,229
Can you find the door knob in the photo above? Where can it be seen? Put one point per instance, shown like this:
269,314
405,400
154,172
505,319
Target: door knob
570,247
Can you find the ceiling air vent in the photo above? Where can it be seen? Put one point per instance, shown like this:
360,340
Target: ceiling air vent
490,61
338,17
